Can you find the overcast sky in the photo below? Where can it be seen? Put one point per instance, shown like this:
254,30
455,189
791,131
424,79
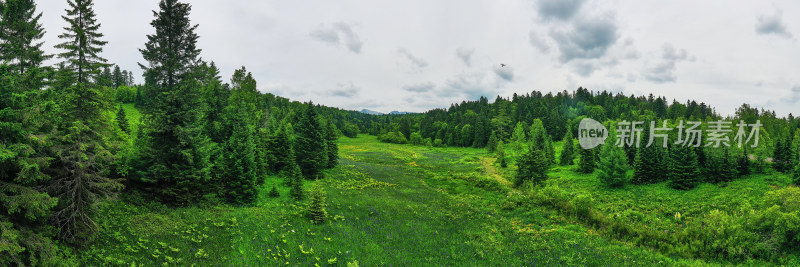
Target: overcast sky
414,55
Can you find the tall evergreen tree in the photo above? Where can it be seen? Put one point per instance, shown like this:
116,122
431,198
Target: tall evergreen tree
588,160
567,157
650,165
310,144
613,166
20,35
295,178
683,168
491,144
518,137
279,149
239,180
174,159
333,148
122,120
316,209
82,41
81,149
532,167
501,154
116,77
743,163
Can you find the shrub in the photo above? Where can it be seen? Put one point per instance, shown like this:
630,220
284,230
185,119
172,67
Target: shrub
274,192
393,137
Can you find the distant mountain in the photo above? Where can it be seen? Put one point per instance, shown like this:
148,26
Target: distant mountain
371,112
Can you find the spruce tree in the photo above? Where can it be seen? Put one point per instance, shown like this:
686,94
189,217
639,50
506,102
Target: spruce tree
567,157
491,144
20,35
532,167
612,169
82,41
316,209
588,161
501,154
650,165
116,77
683,168
273,193
173,162
310,144
743,163
279,148
239,180
122,120
518,137
333,148
80,147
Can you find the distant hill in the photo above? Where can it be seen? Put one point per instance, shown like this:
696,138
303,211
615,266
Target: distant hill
371,112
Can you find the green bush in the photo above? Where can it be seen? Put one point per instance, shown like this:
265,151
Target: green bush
393,137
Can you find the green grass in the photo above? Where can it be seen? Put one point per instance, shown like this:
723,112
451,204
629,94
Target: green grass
401,205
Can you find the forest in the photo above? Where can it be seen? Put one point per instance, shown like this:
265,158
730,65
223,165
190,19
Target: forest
190,168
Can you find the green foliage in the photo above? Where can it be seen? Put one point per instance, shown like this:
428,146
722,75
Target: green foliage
567,157
588,160
331,135
650,164
173,161
122,120
82,42
295,176
683,168
613,166
491,144
125,94
316,209
273,193
416,139
532,167
501,154
21,32
394,138
310,144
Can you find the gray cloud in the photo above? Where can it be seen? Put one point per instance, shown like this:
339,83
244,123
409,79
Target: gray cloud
586,38
337,33
794,96
465,55
772,25
345,89
506,73
420,88
417,64
558,9
536,40
470,86
663,70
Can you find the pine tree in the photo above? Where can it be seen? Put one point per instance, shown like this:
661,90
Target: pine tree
540,140
316,209
333,148
279,149
82,41
174,159
501,154
116,77
567,157
588,161
274,192
122,120
794,149
613,166
683,168
743,164
518,137
310,143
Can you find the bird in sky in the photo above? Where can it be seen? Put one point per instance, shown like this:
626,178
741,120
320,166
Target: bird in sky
502,65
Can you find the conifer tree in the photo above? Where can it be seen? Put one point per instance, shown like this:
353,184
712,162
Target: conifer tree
501,154
279,148
316,209
683,168
567,157
518,137
491,144
532,167
794,148
174,161
239,181
273,193
588,161
122,120
650,164
796,174
310,144
80,147
612,169
20,35
332,147
116,77
743,163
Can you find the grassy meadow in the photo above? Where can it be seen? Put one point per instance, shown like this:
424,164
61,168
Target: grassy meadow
403,205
